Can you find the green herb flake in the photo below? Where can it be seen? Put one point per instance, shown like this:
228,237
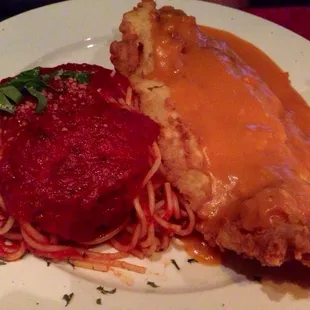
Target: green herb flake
31,73
257,278
70,263
175,264
192,260
42,101
12,93
30,78
33,82
98,301
82,77
25,77
103,291
2,263
48,76
5,104
152,284
67,298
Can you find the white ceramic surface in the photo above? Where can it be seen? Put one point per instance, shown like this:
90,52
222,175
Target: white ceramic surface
81,31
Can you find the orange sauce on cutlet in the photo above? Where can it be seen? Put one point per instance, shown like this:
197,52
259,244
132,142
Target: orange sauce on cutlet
252,126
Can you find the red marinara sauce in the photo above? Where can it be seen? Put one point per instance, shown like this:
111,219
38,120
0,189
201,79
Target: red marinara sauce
74,169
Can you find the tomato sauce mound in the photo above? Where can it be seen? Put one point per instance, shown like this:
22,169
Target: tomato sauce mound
74,170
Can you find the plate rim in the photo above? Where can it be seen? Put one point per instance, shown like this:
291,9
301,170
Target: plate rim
43,10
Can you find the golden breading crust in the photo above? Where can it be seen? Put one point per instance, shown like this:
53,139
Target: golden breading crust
235,227
182,157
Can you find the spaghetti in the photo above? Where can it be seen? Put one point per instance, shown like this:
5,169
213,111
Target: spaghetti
157,216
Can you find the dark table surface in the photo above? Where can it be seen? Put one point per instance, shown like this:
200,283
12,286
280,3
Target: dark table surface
10,8
295,18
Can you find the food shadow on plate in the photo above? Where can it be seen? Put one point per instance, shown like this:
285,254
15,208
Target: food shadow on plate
92,50
23,300
228,268
291,278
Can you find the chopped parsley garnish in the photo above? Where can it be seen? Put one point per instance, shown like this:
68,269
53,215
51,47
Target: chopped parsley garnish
42,101
12,93
67,298
31,82
257,278
98,301
2,263
81,77
103,291
175,264
5,104
192,260
152,284
70,263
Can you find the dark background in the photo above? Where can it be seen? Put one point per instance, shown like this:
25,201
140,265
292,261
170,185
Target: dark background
10,8
278,3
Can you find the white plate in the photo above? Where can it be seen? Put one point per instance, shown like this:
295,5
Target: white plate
81,31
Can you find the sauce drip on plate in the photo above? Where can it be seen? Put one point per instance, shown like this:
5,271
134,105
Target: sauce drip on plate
197,249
